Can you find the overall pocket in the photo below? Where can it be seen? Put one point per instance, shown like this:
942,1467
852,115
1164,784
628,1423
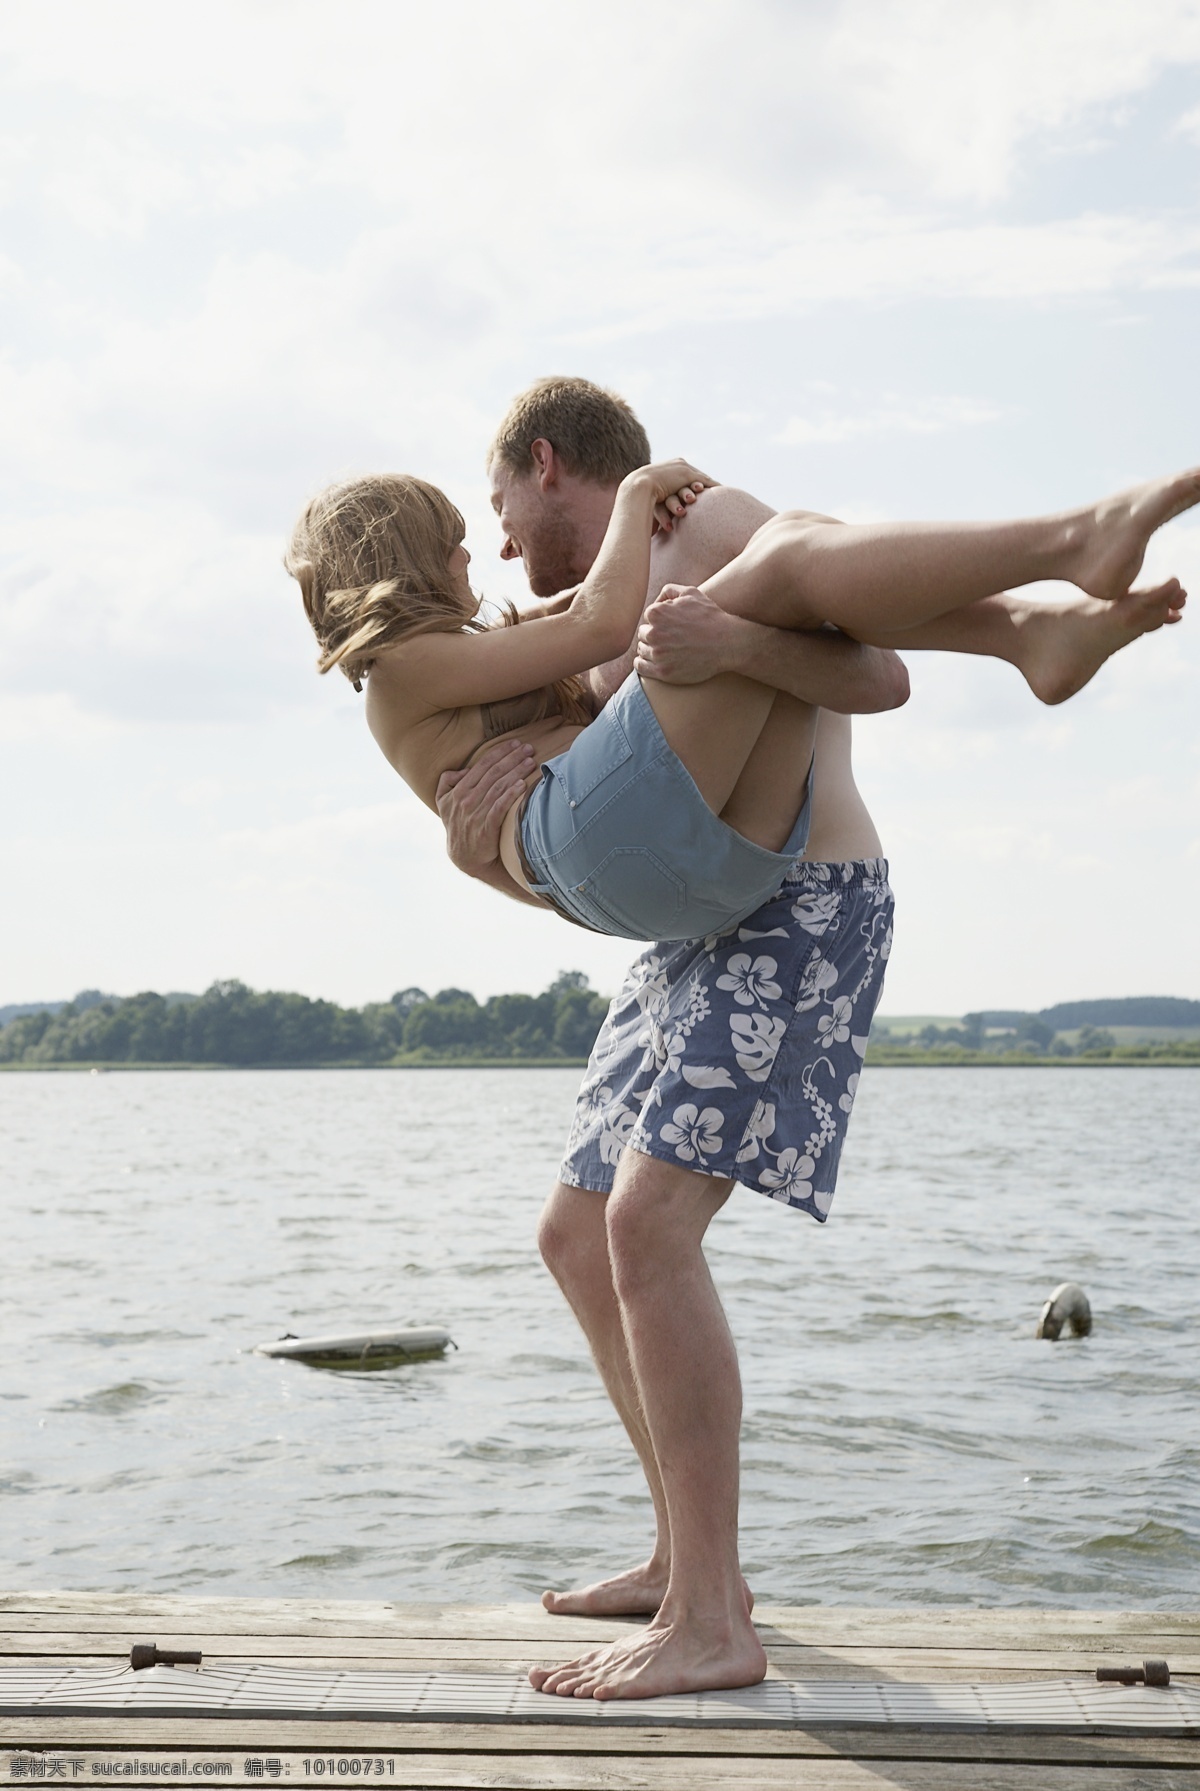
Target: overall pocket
633,888
599,751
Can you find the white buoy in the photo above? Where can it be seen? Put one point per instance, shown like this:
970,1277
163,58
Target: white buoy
1068,1304
362,1349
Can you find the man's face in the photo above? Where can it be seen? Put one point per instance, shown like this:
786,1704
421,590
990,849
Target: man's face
539,529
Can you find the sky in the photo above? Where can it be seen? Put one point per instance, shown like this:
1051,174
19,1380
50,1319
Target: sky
877,260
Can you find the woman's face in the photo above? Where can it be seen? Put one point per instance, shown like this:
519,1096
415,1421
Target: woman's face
458,562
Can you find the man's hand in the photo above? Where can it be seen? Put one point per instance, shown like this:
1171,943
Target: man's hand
685,637
473,805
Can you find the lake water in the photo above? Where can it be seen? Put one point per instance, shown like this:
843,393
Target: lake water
907,1440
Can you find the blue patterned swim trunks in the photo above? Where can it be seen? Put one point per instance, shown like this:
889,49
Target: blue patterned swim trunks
739,1055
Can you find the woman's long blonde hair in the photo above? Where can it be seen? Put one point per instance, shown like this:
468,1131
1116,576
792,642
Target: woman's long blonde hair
372,559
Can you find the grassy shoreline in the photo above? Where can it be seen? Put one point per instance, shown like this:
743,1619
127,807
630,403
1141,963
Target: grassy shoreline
436,1063
896,1057
887,1057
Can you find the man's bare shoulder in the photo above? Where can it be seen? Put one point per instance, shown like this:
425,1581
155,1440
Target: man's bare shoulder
713,532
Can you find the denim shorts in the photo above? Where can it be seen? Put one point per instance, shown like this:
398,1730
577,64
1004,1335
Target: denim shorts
739,1055
617,835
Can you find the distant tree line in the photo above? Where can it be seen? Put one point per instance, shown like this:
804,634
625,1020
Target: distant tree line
1125,1010
1011,1033
235,1025
1030,1036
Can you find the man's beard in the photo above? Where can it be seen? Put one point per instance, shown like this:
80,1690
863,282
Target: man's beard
552,559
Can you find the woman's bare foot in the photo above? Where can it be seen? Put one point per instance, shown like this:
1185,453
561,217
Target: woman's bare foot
1111,539
637,1593
1061,646
654,1662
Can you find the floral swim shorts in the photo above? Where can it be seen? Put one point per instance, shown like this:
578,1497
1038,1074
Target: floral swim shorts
739,1055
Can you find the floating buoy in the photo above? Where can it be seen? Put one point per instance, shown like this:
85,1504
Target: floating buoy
1068,1304
361,1349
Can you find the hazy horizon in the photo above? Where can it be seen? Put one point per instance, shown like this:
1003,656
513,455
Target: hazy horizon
884,1012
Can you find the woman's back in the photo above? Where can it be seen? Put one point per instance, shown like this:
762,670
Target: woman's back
420,742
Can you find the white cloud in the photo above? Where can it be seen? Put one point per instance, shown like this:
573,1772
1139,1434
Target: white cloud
34,719
925,416
558,137
248,250
947,94
314,841
113,184
149,614
960,91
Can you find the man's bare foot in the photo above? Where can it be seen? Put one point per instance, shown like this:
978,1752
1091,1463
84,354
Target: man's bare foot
654,1662
1112,537
637,1593
1061,646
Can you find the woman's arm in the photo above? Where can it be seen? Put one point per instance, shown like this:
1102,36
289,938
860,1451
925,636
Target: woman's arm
451,671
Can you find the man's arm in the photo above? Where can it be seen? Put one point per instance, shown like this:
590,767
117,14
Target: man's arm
699,640
473,805
685,638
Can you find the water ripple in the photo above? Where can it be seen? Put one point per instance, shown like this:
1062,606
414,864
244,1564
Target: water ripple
907,1440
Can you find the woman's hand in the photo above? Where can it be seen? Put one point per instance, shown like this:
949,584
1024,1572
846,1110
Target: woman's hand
674,486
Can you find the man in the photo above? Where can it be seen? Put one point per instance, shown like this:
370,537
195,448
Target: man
733,1054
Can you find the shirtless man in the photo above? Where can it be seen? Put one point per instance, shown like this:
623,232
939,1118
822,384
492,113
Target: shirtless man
731,1058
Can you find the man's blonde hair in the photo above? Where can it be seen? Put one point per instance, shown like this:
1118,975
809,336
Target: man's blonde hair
594,433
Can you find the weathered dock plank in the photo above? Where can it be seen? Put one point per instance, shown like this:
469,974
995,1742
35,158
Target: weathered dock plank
573,1772
804,1642
406,1653
115,1737
849,1624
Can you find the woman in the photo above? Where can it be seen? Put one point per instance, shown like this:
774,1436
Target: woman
632,824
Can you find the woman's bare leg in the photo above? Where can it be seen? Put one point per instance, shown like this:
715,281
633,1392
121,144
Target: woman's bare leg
769,793
917,582
748,748
798,571
713,728
1057,646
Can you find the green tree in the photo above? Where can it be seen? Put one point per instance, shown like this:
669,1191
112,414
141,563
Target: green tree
231,1023
1034,1035
406,999
20,1036
577,1021
440,1028
521,1025
567,980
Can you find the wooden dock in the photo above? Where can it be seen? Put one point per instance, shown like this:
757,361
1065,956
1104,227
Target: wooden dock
805,1643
